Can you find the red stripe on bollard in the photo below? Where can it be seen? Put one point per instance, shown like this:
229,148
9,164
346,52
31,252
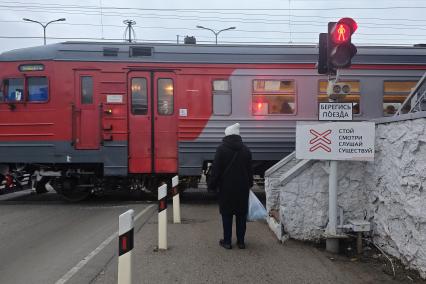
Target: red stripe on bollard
125,242
162,204
175,191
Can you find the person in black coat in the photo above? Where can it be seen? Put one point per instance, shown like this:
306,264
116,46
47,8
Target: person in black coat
232,174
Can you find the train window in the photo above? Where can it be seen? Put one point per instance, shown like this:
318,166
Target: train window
37,89
394,94
222,101
354,97
273,97
165,97
13,90
86,90
2,90
139,96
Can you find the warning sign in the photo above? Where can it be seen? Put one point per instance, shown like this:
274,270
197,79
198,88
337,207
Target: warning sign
334,111
335,141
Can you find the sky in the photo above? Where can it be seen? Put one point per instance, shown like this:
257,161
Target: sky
380,22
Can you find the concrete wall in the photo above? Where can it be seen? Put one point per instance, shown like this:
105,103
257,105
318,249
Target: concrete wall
389,192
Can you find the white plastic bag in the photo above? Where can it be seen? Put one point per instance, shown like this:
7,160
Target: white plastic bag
256,211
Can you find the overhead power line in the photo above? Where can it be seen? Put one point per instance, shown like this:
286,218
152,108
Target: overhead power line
239,30
35,4
251,21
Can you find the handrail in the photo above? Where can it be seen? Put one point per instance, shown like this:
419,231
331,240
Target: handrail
101,138
414,92
73,125
290,157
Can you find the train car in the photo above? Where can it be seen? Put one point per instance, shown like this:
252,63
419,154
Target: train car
88,116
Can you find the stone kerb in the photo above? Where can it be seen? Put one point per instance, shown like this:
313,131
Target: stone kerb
389,192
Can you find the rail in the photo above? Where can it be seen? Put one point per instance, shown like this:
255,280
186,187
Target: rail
416,100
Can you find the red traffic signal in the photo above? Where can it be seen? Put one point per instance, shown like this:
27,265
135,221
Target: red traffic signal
340,50
340,34
343,30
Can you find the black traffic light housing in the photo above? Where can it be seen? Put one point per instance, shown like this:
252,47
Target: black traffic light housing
335,47
322,64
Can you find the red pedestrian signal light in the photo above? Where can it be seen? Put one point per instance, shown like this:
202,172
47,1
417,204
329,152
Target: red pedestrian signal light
343,30
341,33
340,50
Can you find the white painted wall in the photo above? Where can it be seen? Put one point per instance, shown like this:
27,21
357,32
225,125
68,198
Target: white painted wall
390,192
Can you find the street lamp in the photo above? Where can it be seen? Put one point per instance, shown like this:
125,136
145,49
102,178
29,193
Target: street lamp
218,32
44,26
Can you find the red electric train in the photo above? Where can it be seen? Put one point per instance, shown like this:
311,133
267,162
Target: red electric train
88,117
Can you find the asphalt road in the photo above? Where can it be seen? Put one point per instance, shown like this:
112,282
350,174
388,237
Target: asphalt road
46,240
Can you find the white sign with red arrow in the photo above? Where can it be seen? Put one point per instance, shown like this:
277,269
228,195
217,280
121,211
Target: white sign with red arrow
335,141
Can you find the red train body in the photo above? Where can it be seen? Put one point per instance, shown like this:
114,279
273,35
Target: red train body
87,117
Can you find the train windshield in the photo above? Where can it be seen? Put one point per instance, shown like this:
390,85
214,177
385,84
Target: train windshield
2,91
37,89
12,90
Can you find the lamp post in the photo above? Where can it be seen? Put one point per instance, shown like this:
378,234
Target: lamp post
44,26
218,32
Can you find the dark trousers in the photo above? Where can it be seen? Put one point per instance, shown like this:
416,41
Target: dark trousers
240,227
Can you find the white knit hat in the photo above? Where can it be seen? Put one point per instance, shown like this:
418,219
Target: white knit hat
233,129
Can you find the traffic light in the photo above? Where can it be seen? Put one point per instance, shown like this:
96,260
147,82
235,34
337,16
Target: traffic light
340,50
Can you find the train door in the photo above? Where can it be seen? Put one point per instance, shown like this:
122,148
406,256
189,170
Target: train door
86,112
152,122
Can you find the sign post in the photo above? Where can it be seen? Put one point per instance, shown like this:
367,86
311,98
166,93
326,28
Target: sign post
335,141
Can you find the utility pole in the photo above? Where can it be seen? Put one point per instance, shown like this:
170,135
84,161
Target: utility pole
129,29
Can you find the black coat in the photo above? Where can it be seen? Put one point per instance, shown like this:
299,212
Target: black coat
235,183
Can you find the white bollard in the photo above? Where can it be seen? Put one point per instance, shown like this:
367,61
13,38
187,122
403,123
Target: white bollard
162,217
125,246
176,200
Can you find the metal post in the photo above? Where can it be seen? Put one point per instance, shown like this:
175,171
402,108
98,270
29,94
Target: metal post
44,34
332,243
332,198
359,243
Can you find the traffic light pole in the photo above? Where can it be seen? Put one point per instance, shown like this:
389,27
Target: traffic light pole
332,241
335,52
